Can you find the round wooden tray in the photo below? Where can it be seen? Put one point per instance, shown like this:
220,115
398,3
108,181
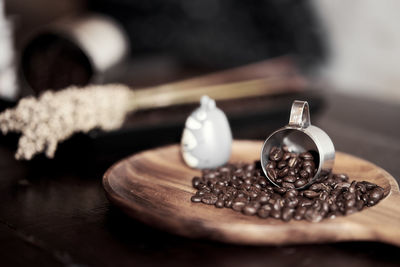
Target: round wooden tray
154,187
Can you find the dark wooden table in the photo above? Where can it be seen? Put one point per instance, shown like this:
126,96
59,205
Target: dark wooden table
55,212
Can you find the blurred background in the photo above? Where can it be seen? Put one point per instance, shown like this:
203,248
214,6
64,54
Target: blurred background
348,46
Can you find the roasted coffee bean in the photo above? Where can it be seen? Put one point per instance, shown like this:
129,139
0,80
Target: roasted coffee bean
342,177
287,214
270,165
196,199
299,214
306,156
313,215
276,214
242,187
360,204
291,202
342,185
300,183
293,162
310,170
209,199
291,193
283,172
317,187
272,174
305,202
369,185
288,185
310,194
196,181
292,172
263,198
304,174
249,209
281,164
219,203
286,156
289,179
376,194
280,190
264,211
228,203
279,203
238,205
276,154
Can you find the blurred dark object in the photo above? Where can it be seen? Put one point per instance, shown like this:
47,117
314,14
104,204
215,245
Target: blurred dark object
53,62
73,51
219,33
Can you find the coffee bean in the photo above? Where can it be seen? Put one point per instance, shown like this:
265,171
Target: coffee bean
281,164
287,214
276,154
310,170
306,156
299,214
276,214
286,156
238,206
270,165
228,203
283,172
263,198
209,199
219,203
289,179
376,194
242,187
272,174
280,190
291,193
300,183
359,204
293,162
196,199
249,210
342,185
291,202
309,163
291,172
310,194
313,216
264,211
196,181
304,174
369,185
342,177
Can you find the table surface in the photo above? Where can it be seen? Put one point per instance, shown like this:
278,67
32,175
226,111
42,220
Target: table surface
56,212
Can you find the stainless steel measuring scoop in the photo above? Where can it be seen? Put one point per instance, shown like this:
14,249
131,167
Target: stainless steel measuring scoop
300,136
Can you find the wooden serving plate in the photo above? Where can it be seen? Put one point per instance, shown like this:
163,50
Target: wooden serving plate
154,187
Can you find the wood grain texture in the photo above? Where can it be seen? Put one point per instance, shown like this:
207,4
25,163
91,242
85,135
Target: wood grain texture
154,187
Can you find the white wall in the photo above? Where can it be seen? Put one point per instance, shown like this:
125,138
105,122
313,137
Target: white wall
364,45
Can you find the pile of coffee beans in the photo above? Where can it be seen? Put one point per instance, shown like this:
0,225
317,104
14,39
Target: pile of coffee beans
243,188
290,170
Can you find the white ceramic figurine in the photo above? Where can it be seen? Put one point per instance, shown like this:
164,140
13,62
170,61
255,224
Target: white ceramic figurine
207,138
